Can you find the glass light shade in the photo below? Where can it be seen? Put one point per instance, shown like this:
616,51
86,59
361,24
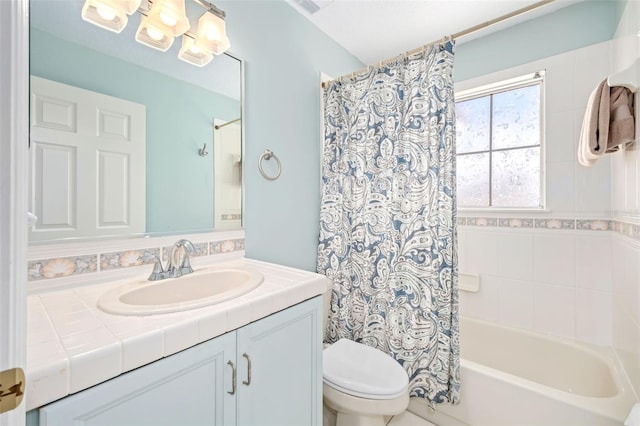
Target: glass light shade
193,54
154,36
212,34
109,14
169,17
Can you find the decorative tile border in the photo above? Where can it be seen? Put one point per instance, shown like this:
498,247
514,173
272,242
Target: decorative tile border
227,246
62,267
631,230
515,223
59,267
554,223
127,259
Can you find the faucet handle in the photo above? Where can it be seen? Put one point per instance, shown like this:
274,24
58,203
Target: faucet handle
158,271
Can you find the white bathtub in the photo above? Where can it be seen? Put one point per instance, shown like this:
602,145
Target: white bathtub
514,377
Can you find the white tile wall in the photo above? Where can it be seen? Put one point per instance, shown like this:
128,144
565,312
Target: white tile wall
554,310
625,178
552,281
515,252
515,303
594,260
555,258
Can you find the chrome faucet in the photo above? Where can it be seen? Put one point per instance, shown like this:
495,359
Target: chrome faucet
177,265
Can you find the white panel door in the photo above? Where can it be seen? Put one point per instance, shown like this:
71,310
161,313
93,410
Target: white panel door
285,355
87,165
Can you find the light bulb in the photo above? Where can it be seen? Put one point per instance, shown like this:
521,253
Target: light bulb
212,34
168,19
154,33
106,12
194,49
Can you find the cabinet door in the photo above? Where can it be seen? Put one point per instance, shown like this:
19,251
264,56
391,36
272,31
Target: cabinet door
188,388
285,351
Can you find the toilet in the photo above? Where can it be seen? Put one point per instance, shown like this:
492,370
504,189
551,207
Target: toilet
362,384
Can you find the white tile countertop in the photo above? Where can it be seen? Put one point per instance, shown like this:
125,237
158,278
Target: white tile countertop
73,345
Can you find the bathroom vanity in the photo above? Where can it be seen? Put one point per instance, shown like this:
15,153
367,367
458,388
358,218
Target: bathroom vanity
254,360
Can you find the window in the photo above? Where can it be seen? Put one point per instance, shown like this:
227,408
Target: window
499,134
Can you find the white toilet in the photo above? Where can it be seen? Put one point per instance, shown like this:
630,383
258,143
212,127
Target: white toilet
362,384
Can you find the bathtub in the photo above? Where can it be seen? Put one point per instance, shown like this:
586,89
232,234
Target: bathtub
515,377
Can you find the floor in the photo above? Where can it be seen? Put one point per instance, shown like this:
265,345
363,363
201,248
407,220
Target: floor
404,419
409,419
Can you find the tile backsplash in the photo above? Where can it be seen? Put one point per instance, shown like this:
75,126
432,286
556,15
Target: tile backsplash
102,260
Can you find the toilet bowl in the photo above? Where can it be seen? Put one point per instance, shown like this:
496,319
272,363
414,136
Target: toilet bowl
362,384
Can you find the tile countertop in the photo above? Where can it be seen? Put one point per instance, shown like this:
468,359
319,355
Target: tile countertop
73,345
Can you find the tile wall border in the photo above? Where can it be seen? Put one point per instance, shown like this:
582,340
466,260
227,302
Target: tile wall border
620,226
94,258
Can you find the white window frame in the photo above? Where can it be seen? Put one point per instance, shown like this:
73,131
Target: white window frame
525,80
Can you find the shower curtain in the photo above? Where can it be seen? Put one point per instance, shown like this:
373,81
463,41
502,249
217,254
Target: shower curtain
388,216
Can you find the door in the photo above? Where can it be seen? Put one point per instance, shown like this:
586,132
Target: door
14,113
191,387
280,368
87,164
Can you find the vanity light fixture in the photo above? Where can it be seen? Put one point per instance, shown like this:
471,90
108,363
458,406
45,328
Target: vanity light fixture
212,31
162,21
109,14
192,53
165,21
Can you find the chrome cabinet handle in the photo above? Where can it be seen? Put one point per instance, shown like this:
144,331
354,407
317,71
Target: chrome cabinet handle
248,381
233,378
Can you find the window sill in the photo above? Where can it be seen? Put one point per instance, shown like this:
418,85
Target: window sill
501,210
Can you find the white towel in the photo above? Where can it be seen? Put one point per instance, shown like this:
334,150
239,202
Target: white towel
595,126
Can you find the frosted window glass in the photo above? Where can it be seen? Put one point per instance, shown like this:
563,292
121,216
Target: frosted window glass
472,125
473,179
516,178
516,117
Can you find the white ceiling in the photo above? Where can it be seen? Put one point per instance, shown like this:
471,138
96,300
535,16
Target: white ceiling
375,30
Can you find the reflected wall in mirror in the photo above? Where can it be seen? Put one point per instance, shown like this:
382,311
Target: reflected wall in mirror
181,103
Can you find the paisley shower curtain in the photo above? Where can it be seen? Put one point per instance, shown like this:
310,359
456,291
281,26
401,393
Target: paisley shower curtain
388,216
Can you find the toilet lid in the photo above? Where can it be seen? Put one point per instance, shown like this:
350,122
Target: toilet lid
359,370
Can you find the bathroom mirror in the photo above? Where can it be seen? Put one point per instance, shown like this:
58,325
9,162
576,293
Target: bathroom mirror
181,183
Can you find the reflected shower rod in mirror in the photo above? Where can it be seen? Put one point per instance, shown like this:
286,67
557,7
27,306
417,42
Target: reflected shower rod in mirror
162,21
219,126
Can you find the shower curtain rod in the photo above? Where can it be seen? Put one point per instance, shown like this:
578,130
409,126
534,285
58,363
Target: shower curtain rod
218,126
465,32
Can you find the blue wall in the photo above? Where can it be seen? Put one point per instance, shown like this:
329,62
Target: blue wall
178,123
572,27
284,55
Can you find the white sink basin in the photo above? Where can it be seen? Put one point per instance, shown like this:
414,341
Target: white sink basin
201,288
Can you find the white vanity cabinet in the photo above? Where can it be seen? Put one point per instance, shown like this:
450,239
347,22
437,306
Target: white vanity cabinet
276,363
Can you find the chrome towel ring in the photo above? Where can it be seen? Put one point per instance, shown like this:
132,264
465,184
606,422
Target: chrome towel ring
267,155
